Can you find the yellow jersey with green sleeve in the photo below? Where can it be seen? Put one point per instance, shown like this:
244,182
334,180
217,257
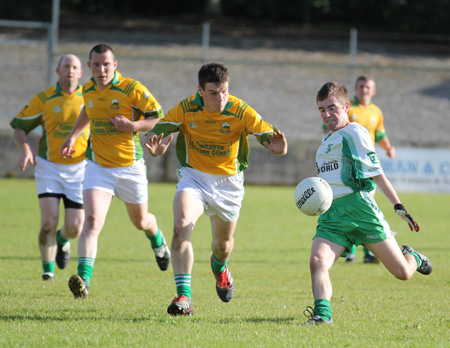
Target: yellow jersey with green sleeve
108,146
215,143
370,117
57,112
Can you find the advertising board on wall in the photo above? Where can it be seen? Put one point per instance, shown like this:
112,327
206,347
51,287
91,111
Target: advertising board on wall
418,169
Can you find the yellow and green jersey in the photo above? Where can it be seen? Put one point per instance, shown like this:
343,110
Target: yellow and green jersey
57,112
215,143
369,117
108,146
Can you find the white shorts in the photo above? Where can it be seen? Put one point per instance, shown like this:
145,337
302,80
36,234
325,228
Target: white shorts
66,179
127,183
221,195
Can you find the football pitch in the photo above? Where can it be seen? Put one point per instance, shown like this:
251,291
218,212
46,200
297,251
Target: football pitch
129,295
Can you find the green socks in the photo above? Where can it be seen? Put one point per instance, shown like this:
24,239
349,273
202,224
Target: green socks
48,266
353,250
85,268
217,265
60,239
367,251
183,283
157,240
322,308
419,261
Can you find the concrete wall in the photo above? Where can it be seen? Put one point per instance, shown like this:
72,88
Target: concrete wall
264,168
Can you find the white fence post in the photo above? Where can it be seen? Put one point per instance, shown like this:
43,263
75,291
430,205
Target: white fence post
353,48
52,36
53,42
205,42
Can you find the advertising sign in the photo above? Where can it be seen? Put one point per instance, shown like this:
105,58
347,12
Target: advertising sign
418,169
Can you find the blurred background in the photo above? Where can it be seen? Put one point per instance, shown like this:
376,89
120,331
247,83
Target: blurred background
279,52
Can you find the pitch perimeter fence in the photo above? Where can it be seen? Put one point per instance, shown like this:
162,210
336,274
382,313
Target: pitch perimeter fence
276,71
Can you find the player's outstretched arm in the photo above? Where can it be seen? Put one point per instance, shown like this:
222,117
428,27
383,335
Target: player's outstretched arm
146,124
385,144
123,124
278,143
386,187
26,155
155,144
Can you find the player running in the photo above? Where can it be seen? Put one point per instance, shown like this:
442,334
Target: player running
56,110
212,148
117,109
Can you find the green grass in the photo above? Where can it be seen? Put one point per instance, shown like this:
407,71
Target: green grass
129,295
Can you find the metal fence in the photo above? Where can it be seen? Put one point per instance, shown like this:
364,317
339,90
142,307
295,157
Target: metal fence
276,71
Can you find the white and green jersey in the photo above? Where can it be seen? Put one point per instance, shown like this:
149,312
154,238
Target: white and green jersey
347,160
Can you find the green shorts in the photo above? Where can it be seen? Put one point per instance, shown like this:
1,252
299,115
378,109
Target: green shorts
353,219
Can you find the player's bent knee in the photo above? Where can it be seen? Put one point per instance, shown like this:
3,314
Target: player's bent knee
92,223
72,232
140,225
49,225
402,277
402,274
317,264
222,247
182,228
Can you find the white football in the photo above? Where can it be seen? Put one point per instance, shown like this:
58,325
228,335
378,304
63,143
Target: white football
313,196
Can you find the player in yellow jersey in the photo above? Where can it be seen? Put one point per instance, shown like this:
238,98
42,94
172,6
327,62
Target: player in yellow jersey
55,112
212,148
117,109
367,114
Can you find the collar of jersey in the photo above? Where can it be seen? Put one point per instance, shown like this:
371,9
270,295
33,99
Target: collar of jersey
115,80
198,100
59,89
356,102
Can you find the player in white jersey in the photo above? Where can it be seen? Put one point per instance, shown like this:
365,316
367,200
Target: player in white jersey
348,162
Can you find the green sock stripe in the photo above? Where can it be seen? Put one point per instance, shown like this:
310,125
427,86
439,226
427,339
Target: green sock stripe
86,260
86,268
322,307
419,261
157,240
182,279
48,266
60,239
218,265
366,251
183,283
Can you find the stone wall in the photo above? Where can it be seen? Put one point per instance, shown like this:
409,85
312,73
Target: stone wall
264,167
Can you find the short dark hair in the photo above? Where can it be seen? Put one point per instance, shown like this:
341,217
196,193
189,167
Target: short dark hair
365,78
333,88
101,48
213,73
